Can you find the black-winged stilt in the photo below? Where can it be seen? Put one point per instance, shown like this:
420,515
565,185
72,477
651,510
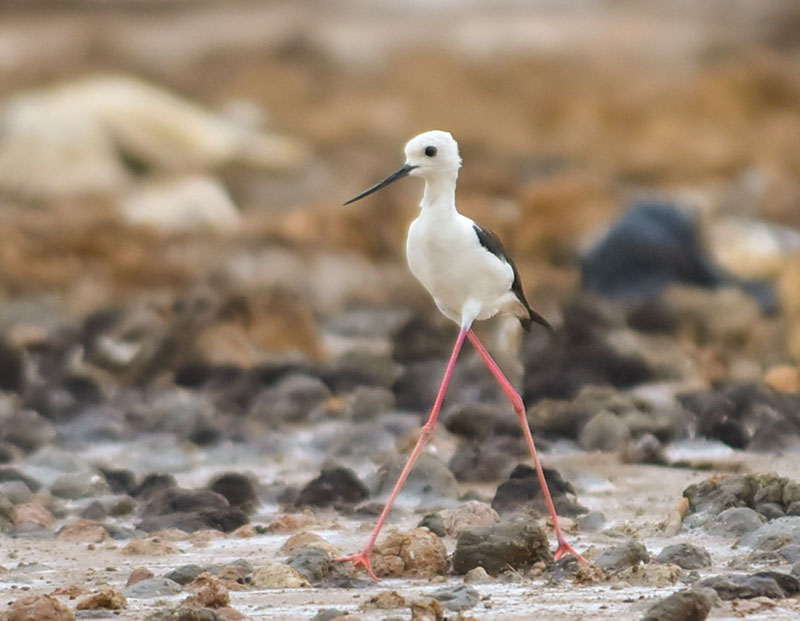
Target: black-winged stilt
470,276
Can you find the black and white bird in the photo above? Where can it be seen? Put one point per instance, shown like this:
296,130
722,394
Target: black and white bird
469,275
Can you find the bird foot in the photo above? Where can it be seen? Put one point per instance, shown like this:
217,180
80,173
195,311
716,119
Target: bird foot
362,558
565,548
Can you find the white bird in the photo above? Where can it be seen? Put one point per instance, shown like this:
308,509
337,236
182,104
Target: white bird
469,275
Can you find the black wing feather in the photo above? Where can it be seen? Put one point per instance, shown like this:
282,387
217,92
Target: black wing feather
492,243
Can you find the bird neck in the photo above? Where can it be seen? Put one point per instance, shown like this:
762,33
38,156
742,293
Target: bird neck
440,195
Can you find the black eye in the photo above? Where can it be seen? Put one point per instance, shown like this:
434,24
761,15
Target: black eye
430,151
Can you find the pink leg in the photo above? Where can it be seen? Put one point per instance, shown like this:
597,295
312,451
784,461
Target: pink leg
362,558
519,408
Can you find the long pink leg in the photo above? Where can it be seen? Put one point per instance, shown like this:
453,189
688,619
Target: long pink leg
363,557
519,408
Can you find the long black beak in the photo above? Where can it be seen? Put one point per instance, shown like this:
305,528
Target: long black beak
398,174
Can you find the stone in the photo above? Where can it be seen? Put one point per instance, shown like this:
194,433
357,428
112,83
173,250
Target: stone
457,598
465,516
329,614
736,586
686,605
487,461
622,556
306,539
522,490
38,608
591,522
74,485
480,421
12,474
153,483
646,449
499,547
431,482
152,587
108,598
28,430
185,613
333,485
734,522
774,535
783,378
314,563
426,609
434,523
278,576
384,600
149,547
417,553
16,492
139,574
238,489
604,432
184,574
477,575
685,555
208,592
34,513
657,575
291,400
84,531
190,511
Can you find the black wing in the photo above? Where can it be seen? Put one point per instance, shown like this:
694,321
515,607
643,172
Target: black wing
492,243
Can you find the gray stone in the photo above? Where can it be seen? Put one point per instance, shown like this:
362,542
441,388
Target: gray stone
622,556
458,598
293,399
736,586
685,555
499,547
604,432
774,535
592,521
328,614
184,613
734,522
184,574
74,485
152,587
16,492
687,605
430,481
314,563
434,523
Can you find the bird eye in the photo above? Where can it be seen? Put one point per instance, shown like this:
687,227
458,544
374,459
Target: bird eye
430,151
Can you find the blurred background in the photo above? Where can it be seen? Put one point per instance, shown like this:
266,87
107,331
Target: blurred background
172,174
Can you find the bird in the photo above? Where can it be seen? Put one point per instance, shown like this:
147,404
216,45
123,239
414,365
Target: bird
470,277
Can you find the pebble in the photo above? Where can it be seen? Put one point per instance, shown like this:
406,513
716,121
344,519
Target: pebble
417,553
38,607
238,489
333,485
16,492
477,575
465,516
522,489
208,592
498,547
292,399
185,613
686,605
487,461
74,485
734,522
434,523
84,531
656,575
139,574
12,474
685,555
457,598
774,535
314,563
385,600
149,547
108,598
306,539
737,586
426,609
604,432
328,614
431,483
278,576
622,556
152,587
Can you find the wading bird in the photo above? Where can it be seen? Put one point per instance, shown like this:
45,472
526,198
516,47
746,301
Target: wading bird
467,271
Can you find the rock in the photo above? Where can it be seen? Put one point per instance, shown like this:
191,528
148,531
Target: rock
783,377
426,609
480,421
477,575
652,575
465,516
333,485
139,574
686,605
74,485
622,556
646,449
34,513
774,535
12,474
523,490
12,367
430,481
789,584
457,598
149,547
291,400
38,608
152,587
499,547
434,523
306,539
185,613
685,555
85,531
416,553
591,522
26,429
153,483
734,522
120,480
190,511
238,489
329,614
184,574
184,205
367,402
109,599
736,586
278,576
289,522
604,432
209,592
315,564
487,461
385,600
16,492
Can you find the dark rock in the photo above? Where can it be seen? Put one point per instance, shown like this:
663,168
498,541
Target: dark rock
431,481
359,367
291,400
16,492
185,613
434,523
458,598
12,474
368,402
736,586
687,605
120,480
94,511
685,555
734,522
423,337
333,485
8,452
496,548
653,315
646,449
26,429
488,460
592,521
152,587
238,489
774,535
416,387
769,510
603,432
152,484
790,553
788,583
12,367
622,556
184,574
479,421
314,563
523,490
225,520
173,500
